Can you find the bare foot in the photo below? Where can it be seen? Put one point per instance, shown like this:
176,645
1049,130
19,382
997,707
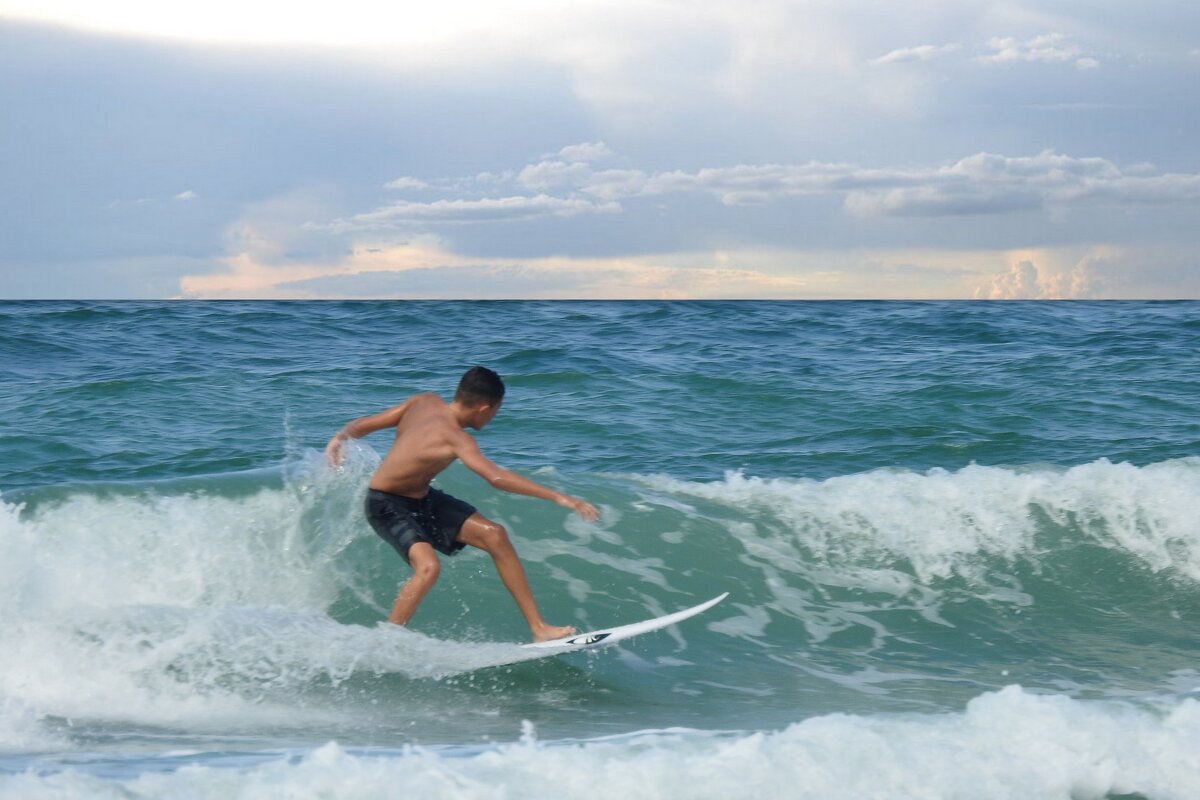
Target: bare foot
545,633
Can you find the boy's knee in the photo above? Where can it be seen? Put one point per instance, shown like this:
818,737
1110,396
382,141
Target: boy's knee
495,535
427,571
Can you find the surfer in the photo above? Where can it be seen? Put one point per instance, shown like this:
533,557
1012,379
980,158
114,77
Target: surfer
420,521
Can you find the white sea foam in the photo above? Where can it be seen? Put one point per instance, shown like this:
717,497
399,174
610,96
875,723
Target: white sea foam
210,669
941,522
21,728
190,610
1005,745
195,550
915,540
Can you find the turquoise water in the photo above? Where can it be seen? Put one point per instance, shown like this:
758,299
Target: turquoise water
960,541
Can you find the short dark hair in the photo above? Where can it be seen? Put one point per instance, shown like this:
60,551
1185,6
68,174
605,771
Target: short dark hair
479,385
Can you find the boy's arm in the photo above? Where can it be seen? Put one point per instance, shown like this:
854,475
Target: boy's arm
358,428
468,452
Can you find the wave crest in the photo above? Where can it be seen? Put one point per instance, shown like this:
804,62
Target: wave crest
941,523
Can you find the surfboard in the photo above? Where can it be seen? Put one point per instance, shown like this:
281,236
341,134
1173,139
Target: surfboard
609,636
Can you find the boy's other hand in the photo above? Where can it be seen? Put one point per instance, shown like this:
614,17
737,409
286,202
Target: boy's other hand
333,452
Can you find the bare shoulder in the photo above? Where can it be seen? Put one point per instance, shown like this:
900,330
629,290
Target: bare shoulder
425,404
432,414
426,398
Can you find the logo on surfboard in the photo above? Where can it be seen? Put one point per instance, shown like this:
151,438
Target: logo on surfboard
590,638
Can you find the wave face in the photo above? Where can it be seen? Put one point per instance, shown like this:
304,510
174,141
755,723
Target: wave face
954,537
209,607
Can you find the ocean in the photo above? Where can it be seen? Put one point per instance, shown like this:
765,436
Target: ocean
961,543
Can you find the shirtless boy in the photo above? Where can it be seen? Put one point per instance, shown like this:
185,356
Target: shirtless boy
420,521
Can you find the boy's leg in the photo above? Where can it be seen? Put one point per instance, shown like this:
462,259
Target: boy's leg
481,532
426,567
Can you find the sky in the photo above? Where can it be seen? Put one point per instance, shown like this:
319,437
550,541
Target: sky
1038,149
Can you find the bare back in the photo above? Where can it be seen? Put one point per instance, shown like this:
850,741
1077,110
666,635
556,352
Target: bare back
423,447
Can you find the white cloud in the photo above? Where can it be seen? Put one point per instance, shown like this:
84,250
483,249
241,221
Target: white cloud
185,195
1154,190
981,184
406,182
613,184
500,209
991,184
635,63
494,178
740,184
348,23
1047,48
984,183
754,184
554,175
266,261
585,151
1019,283
425,267
924,52
1024,281
942,201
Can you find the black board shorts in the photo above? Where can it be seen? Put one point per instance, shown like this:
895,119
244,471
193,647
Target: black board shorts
403,521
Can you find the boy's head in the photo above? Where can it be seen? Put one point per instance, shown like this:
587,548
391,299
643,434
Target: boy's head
479,386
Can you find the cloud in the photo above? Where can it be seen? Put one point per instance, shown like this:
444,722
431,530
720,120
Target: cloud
553,281
637,65
924,52
748,184
944,201
1047,48
186,195
741,184
1024,281
804,125
1153,190
613,184
554,175
500,209
406,182
1019,283
993,184
984,183
585,151
267,261
425,267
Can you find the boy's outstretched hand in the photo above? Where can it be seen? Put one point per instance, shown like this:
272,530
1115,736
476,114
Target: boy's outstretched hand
583,508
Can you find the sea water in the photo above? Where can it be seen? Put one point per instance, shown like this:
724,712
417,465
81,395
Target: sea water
961,542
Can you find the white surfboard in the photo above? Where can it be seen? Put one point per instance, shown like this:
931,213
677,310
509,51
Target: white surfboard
607,636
